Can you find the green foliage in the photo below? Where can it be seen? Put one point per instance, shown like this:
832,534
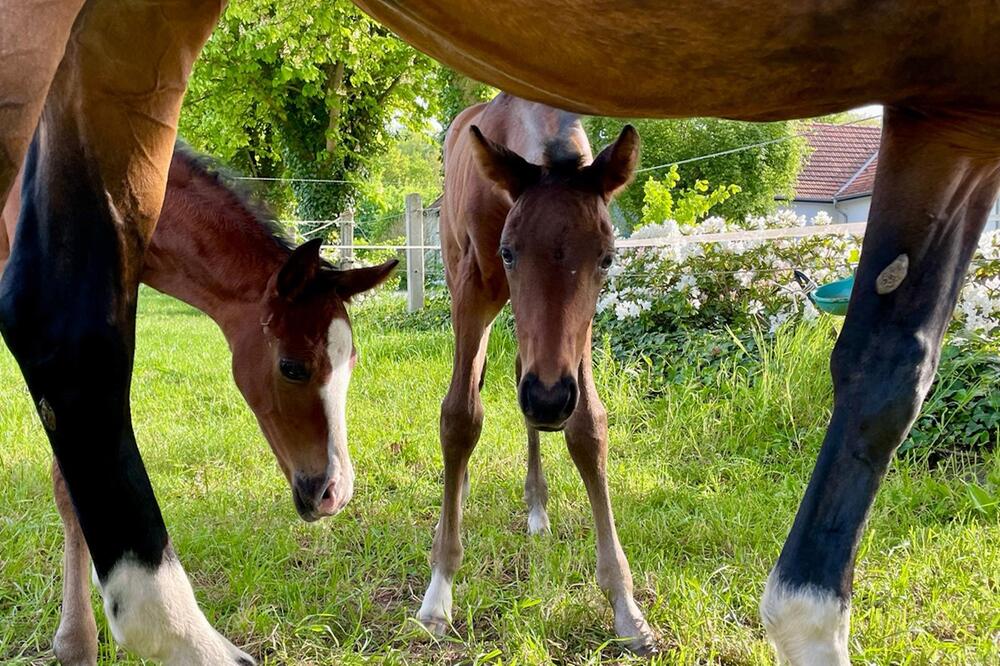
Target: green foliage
761,173
410,163
301,89
456,92
663,201
962,410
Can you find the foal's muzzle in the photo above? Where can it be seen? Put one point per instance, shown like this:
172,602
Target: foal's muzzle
319,496
547,407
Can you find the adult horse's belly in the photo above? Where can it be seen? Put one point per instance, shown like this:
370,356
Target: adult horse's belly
751,59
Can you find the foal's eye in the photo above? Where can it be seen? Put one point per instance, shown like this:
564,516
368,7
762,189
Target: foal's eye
607,261
293,371
507,257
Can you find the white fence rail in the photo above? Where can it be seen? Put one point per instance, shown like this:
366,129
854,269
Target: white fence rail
417,247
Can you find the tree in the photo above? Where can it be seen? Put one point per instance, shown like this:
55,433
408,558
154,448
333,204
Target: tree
304,89
760,173
412,163
457,92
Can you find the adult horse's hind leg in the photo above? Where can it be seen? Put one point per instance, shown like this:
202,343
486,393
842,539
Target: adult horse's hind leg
75,643
461,424
937,177
95,178
587,439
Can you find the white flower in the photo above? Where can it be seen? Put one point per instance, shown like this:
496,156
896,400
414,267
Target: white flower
755,307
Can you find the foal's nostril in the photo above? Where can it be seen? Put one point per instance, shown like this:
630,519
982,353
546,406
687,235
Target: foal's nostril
547,406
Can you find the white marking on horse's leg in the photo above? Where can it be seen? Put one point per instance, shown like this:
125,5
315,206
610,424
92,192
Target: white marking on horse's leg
152,612
536,490
435,610
808,626
892,275
339,346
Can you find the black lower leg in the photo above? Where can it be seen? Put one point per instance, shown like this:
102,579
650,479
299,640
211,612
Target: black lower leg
67,309
915,258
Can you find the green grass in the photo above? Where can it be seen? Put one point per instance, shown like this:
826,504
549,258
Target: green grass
705,481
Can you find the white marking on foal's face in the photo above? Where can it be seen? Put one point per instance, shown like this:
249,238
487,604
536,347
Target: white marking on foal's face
152,612
807,625
339,349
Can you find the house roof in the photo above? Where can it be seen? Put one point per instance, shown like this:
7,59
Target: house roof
841,164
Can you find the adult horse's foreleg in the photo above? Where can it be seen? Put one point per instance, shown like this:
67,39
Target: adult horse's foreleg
75,643
95,178
937,178
536,490
461,424
587,439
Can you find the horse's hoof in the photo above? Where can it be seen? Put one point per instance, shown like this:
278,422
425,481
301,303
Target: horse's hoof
538,524
80,650
435,626
643,645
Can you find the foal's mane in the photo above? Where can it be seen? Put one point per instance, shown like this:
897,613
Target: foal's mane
562,155
240,196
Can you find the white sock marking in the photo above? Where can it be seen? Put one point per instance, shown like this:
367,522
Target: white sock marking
153,613
437,600
808,626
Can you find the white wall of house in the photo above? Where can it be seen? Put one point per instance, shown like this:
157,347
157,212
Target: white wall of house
857,211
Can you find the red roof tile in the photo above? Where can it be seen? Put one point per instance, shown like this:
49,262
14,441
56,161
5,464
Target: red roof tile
842,162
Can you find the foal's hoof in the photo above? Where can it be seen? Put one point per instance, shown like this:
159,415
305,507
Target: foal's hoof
435,626
75,648
538,523
643,645
637,636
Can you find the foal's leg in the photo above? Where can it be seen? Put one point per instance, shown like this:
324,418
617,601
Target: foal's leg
95,178
536,490
587,439
461,424
75,643
937,178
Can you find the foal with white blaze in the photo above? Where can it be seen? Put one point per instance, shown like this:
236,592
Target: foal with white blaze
525,218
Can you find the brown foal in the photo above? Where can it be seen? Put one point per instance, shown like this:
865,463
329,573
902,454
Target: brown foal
280,309
524,218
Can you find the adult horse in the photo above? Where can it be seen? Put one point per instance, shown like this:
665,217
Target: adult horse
216,250
524,218
98,170
934,65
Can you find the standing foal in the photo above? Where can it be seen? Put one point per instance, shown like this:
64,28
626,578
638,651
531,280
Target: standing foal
526,219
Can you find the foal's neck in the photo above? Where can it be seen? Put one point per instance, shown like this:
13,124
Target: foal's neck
211,250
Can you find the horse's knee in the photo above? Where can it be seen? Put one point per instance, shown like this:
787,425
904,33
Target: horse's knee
461,424
880,383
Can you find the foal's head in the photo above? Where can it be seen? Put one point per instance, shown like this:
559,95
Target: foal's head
295,375
557,246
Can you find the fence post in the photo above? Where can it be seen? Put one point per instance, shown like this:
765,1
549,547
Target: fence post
414,253
347,238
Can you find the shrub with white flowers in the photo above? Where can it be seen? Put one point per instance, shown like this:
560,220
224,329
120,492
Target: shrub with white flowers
750,283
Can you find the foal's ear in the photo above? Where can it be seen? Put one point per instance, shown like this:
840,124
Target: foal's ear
614,167
299,270
356,280
503,166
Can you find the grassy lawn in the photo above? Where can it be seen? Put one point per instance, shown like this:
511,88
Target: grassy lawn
705,482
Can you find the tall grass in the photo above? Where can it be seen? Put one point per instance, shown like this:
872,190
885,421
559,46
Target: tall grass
705,479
